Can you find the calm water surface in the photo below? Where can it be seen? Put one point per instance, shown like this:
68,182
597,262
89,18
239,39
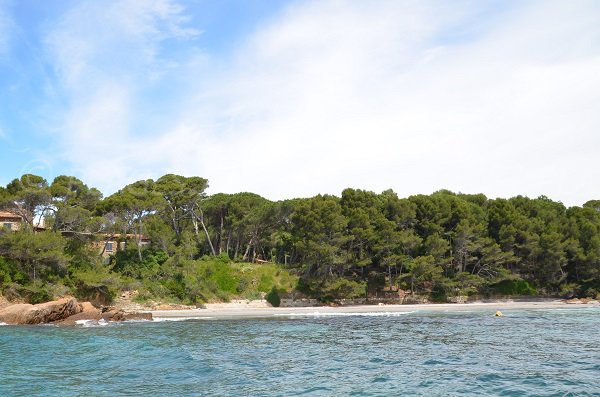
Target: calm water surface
526,353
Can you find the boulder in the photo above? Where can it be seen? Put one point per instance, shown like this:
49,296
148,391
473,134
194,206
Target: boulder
114,314
88,312
574,301
4,302
40,313
138,316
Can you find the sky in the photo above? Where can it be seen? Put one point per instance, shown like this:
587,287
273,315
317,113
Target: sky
295,98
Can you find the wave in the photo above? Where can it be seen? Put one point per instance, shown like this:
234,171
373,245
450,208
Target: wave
3,324
92,323
163,319
344,314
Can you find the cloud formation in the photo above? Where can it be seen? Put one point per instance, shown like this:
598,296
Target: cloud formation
414,96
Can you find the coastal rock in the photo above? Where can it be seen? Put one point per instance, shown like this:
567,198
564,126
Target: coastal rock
88,312
40,313
114,314
138,316
4,302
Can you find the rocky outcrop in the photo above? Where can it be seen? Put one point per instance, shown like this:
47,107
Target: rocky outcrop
114,314
66,311
40,313
4,302
88,312
91,313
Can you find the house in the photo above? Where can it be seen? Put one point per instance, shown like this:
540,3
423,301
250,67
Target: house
10,221
108,244
105,244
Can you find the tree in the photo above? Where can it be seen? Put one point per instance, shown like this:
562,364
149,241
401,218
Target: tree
132,205
424,273
36,253
29,197
72,203
319,235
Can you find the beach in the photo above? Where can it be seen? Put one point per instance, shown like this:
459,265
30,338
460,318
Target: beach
241,310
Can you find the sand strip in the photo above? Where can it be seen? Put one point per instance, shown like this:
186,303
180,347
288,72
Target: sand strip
228,312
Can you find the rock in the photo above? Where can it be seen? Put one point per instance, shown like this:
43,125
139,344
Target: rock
40,313
66,311
138,316
114,314
458,299
98,296
4,302
88,312
573,301
15,314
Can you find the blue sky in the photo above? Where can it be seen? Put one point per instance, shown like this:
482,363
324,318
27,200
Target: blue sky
295,98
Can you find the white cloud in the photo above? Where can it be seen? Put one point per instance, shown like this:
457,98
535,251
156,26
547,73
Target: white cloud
335,94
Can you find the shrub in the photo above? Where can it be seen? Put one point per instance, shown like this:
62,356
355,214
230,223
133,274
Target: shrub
513,287
273,297
342,288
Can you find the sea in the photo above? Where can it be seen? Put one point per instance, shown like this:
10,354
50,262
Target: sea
541,352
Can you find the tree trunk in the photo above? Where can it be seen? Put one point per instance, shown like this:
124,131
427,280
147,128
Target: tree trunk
247,250
221,233
212,248
237,248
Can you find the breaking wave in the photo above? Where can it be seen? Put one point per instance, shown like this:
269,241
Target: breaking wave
162,319
344,314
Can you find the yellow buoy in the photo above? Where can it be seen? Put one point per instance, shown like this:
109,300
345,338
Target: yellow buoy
498,314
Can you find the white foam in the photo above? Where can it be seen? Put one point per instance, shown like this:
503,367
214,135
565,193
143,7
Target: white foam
345,314
92,323
3,324
161,319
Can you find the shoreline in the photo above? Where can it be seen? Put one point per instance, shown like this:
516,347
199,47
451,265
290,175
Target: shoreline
241,312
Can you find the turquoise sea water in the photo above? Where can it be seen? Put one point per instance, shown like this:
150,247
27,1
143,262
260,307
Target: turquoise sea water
526,353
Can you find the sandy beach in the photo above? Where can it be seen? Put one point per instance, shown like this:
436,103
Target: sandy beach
240,311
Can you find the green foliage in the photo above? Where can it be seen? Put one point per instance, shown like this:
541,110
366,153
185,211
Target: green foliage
36,292
96,283
443,244
39,255
513,287
11,272
342,288
273,297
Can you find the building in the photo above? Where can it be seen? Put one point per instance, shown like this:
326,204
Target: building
10,221
108,244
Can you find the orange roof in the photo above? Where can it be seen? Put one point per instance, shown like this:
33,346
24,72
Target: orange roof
6,214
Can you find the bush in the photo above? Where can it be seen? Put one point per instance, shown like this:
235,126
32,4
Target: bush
513,287
569,290
342,288
273,297
9,272
32,293
96,284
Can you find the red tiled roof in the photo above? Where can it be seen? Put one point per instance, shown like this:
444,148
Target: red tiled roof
6,214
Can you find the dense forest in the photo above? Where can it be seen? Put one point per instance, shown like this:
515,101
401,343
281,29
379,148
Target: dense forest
362,244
